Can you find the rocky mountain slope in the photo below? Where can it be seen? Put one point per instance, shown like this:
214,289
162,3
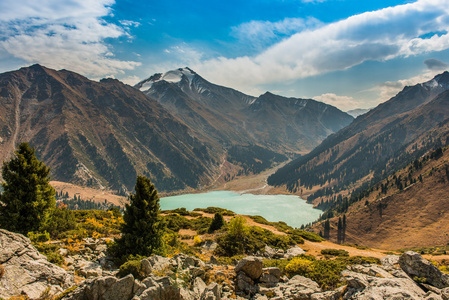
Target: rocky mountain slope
375,144
99,133
102,134
287,125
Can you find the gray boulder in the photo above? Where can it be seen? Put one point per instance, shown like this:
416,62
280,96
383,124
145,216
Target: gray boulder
251,266
270,276
26,271
295,251
373,282
416,266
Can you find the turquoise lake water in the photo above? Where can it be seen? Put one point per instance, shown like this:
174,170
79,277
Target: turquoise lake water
288,208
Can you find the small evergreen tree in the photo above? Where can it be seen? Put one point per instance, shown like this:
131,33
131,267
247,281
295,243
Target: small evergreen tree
27,195
327,228
217,222
339,231
142,229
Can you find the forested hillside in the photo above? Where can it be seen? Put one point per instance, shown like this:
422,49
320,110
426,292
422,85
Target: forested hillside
375,144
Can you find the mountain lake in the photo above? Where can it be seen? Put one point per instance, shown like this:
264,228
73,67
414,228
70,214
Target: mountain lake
287,208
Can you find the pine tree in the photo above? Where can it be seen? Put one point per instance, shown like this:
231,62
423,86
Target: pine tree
327,228
142,229
344,229
27,195
217,222
339,231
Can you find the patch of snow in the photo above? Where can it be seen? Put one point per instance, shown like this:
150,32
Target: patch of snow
146,86
432,83
172,76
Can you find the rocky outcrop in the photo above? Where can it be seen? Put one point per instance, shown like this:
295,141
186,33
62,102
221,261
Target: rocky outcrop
416,266
26,271
185,282
409,276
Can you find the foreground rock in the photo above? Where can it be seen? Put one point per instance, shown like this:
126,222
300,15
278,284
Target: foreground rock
189,285
26,271
416,266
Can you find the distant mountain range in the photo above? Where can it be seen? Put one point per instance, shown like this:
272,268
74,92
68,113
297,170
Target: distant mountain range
376,144
178,133
286,125
358,111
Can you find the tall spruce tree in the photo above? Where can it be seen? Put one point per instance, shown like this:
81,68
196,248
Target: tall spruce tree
27,195
340,231
142,229
327,229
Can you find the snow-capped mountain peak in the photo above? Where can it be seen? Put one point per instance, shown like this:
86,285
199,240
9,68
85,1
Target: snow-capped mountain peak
439,81
173,76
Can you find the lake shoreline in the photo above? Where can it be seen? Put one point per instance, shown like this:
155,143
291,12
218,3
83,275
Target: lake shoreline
290,209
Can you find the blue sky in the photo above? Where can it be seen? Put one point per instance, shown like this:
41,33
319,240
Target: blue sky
347,53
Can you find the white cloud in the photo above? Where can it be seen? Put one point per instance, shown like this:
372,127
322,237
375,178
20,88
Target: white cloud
344,103
259,34
389,89
62,34
379,36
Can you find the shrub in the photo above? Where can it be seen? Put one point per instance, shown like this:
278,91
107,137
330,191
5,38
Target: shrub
51,252
310,236
298,266
60,220
38,237
278,263
131,267
335,252
260,220
242,239
197,240
214,210
325,272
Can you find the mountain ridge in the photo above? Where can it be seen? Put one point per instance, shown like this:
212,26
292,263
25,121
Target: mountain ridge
373,140
102,134
245,118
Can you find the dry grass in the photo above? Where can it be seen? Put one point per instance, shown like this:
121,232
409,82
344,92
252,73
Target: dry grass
86,193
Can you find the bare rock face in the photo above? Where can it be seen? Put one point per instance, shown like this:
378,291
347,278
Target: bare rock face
26,271
416,266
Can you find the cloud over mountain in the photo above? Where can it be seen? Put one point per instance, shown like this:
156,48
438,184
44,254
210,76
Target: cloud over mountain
381,35
63,34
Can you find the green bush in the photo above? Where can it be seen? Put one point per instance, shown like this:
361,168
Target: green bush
38,237
176,222
242,239
299,266
278,263
260,220
131,267
335,252
214,210
201,224
60,220
51,252
325,272
310,236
